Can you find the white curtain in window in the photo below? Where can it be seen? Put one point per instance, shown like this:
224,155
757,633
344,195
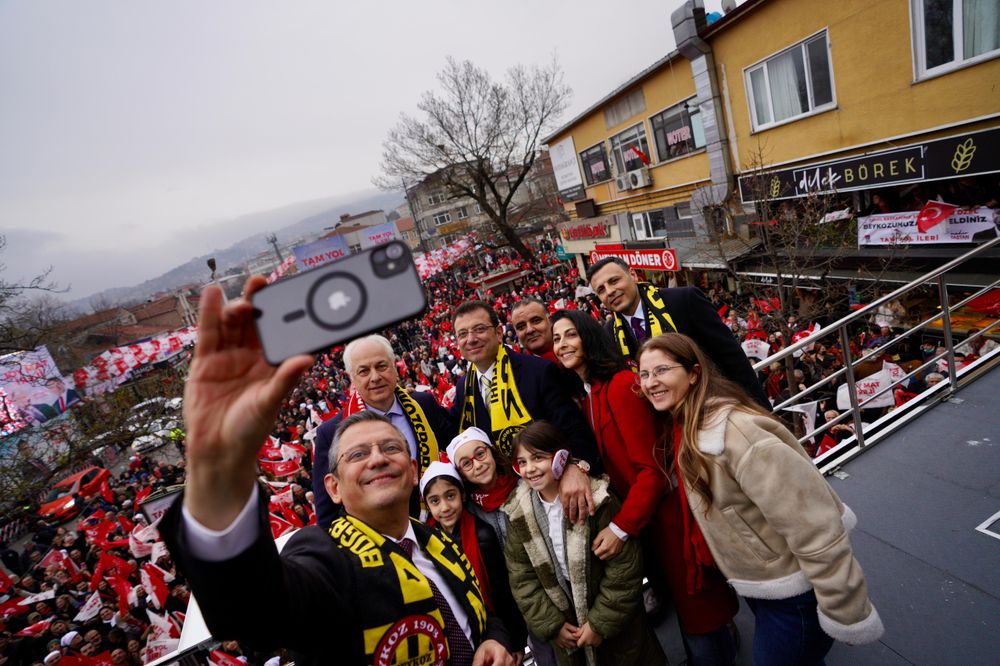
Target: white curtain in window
781,73
981,26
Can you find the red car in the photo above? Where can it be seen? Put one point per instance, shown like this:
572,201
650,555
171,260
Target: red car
59,504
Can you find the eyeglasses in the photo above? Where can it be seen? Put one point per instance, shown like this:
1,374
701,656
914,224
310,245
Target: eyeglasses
658,372
477,331
360,453
479,455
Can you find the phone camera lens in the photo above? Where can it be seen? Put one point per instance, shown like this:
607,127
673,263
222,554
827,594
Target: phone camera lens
380,256
394,251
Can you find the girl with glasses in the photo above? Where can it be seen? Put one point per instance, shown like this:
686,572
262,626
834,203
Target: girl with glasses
628,432
762,512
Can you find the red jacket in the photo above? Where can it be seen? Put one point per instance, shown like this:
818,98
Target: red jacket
627,433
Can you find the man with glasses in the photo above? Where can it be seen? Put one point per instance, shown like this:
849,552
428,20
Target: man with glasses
371,364
503,391
373,587
641,311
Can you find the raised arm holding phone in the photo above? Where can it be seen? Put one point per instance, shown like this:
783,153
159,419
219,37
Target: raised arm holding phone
351,592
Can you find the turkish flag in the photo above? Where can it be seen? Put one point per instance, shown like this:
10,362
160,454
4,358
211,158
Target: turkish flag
220,658
934,213
279,525
37,629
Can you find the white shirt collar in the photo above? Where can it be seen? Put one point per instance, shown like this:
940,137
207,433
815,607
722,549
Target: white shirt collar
489,372
639,312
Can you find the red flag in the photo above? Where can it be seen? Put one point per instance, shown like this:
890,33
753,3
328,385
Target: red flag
934,213
37,629
642,156
283,498
220,658
106,491
289,515
90,609
142,494
155,580
103,659
279,525
279,468
122,589
12,607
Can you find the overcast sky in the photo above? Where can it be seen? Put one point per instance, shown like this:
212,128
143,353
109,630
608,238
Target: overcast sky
128,129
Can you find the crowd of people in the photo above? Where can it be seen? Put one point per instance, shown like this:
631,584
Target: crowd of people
567,437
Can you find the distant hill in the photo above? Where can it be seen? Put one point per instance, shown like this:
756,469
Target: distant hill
289,223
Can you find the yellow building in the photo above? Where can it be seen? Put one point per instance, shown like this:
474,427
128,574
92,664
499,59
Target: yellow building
854,98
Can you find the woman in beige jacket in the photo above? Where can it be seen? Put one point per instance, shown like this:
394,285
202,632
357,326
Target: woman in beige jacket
760,510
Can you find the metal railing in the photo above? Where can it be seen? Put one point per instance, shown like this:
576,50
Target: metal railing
867,434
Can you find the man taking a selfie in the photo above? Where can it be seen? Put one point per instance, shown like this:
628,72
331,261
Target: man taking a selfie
374,587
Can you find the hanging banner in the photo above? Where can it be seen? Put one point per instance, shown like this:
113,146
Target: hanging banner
755,348
965,225
380,234
317,253
32,390
566,170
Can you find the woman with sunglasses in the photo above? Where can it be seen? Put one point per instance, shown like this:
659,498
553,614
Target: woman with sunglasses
628,431
762,511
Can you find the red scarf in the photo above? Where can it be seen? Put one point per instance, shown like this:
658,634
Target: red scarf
697,555
470,546
491,500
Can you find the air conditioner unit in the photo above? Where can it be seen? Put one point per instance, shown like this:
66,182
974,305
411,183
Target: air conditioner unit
623,182
639,178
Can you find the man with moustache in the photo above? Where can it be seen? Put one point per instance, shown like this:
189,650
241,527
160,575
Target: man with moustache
374,587
641,311
533,328
371,364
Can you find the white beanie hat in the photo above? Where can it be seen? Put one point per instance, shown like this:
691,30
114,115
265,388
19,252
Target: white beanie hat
472,434
68,637
438,469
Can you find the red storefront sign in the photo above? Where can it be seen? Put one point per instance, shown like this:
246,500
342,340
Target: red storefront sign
650,260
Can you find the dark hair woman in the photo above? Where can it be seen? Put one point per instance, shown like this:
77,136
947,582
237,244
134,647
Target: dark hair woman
628,432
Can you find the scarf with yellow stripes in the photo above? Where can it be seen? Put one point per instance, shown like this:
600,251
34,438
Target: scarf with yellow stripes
658,319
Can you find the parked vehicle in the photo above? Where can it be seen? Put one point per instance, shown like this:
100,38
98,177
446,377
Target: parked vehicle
60,504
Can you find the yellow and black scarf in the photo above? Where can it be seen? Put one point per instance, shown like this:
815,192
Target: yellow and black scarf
402,621
507,412
427,445
657,317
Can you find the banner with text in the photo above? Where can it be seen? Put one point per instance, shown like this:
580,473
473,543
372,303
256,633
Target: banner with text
317,253
566,170
380,234
650,260
966,225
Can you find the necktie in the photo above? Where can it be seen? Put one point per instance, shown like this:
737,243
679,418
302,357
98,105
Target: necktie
458,642
487,392
639,329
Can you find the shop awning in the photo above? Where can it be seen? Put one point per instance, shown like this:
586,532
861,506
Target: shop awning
713,255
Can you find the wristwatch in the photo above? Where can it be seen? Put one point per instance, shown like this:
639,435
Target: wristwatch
581,463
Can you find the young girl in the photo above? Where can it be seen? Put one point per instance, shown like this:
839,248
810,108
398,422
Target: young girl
762,511
444,496
589,609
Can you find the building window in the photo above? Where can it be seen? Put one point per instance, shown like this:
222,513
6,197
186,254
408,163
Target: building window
794,83
442,218
649,225
630,148
462,213
681,226
478,209
354,249
677,131
595,164
435,199
950,33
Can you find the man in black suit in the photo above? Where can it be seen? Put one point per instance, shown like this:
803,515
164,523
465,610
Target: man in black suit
371,363
637,316
501,383
374,587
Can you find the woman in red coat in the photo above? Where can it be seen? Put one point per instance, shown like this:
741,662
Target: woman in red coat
627,431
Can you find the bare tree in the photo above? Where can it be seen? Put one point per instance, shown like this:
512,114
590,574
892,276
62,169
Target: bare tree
481,136
25,319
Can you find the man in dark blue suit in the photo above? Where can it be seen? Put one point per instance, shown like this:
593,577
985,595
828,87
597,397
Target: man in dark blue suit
642,311
371,363
504,391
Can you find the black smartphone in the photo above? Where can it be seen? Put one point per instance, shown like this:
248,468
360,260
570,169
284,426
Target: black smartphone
339,301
